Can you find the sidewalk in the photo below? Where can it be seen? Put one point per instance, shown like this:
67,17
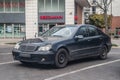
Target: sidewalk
7,41
116,41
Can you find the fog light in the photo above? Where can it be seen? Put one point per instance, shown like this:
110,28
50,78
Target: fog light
43,59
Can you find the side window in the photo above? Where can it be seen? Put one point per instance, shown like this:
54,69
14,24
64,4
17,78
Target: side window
92,31
82,31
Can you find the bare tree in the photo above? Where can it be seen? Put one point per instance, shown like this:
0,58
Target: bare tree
104,5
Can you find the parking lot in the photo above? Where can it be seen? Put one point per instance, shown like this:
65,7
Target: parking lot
90,68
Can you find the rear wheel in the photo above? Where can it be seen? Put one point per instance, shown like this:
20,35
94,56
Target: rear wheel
61,58
103,54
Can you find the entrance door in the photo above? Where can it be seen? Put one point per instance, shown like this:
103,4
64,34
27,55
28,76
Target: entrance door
1,30
9,31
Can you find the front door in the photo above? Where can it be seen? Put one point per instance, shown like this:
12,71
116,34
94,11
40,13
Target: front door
79,46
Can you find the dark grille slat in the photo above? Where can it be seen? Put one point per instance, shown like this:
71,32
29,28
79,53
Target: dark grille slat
27,48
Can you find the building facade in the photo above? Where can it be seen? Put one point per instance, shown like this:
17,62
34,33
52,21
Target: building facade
27,18
113,10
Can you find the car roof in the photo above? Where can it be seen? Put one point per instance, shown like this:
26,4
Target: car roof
76,25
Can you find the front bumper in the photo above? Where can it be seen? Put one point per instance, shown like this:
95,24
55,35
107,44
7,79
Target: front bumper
46,57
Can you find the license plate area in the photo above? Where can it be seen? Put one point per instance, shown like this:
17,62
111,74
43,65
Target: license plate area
25,55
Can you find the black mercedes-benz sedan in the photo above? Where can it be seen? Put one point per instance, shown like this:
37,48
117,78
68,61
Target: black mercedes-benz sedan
59,45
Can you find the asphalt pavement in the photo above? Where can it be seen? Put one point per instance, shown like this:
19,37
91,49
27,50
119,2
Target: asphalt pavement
83,69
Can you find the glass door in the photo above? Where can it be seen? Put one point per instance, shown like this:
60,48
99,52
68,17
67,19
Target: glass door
22,30
8,31
16,30
1,30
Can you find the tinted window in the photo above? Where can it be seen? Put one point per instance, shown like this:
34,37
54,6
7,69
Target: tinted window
83,31
92,31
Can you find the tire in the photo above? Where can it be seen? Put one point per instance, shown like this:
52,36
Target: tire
103,54
61,58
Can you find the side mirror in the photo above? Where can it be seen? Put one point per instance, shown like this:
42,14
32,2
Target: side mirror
79,37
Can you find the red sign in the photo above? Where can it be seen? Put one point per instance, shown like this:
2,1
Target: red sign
55,17
51,17
76,18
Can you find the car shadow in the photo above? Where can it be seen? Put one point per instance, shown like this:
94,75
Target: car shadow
49,67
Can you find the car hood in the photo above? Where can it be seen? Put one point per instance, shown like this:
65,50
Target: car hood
43,41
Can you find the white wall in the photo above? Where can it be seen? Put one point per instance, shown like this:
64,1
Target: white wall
31,15
69,11
116,7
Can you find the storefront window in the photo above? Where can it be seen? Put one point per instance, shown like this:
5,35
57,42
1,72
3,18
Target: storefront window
15,5
1,6
12,30
7,5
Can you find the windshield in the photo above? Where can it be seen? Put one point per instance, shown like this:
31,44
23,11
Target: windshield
50,31
59,32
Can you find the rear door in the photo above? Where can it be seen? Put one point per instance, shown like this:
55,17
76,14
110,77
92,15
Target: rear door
94,40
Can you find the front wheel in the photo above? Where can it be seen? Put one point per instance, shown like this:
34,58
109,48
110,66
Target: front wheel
61,58
103,54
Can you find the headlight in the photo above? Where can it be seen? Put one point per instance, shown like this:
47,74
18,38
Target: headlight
17,46
44,48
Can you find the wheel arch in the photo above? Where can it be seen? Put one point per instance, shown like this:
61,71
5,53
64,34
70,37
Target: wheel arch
63,47
106,46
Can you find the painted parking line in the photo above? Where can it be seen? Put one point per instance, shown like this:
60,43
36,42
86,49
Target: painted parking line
8,62
5,53
83,69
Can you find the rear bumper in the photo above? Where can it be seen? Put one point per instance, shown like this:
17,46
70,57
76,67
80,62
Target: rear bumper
34,57
109,47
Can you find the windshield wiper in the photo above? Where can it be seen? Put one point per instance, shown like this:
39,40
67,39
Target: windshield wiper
57,36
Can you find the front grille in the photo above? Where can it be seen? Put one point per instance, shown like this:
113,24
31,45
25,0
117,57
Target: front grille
27,48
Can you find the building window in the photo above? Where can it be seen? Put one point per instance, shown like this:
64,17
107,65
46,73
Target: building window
48,6
51,5
15,5
1,6
41,5
12,6
21,5
61,5
7,5
55,5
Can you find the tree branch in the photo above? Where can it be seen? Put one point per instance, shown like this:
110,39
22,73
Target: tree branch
109,2
99,5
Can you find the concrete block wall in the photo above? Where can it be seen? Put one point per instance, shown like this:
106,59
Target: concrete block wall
31,13
69,11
